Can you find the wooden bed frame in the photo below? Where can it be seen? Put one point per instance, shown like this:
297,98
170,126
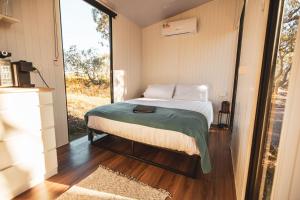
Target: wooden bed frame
192,173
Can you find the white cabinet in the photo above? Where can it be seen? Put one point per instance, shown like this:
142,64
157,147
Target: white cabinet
27,139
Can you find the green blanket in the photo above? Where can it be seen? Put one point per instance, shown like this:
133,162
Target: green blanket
191,123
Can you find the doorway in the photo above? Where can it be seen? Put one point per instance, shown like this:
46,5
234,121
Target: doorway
87,38
280,45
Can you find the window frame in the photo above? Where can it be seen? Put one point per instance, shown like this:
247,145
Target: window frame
111,15
264,98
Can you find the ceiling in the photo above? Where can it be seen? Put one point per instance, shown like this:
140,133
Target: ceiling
147,12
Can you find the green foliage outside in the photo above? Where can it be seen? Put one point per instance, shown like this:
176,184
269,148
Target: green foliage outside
287,43
284,62
87,78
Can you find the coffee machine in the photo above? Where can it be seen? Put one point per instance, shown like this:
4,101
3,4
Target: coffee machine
21,71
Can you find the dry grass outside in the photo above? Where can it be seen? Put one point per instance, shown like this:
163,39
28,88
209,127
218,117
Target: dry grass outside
83,86
83,96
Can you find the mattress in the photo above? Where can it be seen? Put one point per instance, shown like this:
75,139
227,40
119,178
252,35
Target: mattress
204,108
157,137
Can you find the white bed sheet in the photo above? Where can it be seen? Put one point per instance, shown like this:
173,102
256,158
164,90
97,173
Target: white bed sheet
157,137
205,108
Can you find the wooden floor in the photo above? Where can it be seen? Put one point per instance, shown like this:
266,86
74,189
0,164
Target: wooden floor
79,159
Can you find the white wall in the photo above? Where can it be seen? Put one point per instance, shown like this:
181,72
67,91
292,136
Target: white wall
127,53
33,40
247,91
287,174
206,57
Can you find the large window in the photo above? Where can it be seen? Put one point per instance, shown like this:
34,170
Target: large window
284,61
274,92
86,33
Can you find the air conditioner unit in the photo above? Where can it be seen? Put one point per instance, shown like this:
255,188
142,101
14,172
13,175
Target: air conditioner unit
179,27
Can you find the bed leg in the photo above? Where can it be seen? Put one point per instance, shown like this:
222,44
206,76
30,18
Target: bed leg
132,147
195,170
90,136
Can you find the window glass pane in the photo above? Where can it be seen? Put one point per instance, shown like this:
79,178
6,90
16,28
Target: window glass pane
86,42
280,89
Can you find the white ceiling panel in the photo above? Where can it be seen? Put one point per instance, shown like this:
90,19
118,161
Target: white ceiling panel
147,12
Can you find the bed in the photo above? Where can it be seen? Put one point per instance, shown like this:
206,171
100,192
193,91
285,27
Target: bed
129,126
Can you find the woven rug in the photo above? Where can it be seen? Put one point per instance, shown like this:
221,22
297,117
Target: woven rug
106,184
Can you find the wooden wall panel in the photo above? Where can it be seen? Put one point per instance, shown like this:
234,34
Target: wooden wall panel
33,40
250,67
127,47
207,57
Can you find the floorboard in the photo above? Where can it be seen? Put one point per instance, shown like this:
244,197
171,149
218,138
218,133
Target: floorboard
79,159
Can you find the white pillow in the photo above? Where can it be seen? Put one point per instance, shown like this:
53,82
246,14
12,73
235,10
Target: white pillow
157,91
191,92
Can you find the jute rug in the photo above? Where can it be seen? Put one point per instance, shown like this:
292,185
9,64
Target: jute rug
105,184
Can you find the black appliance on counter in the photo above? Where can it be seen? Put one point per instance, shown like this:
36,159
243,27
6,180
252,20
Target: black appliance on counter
21,71
4,54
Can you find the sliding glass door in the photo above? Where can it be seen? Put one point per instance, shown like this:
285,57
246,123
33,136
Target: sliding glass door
86,33
278,62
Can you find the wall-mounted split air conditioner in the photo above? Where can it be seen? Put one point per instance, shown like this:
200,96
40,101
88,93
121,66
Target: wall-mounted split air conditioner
179,27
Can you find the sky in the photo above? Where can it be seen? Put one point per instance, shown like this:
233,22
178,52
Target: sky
78,26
